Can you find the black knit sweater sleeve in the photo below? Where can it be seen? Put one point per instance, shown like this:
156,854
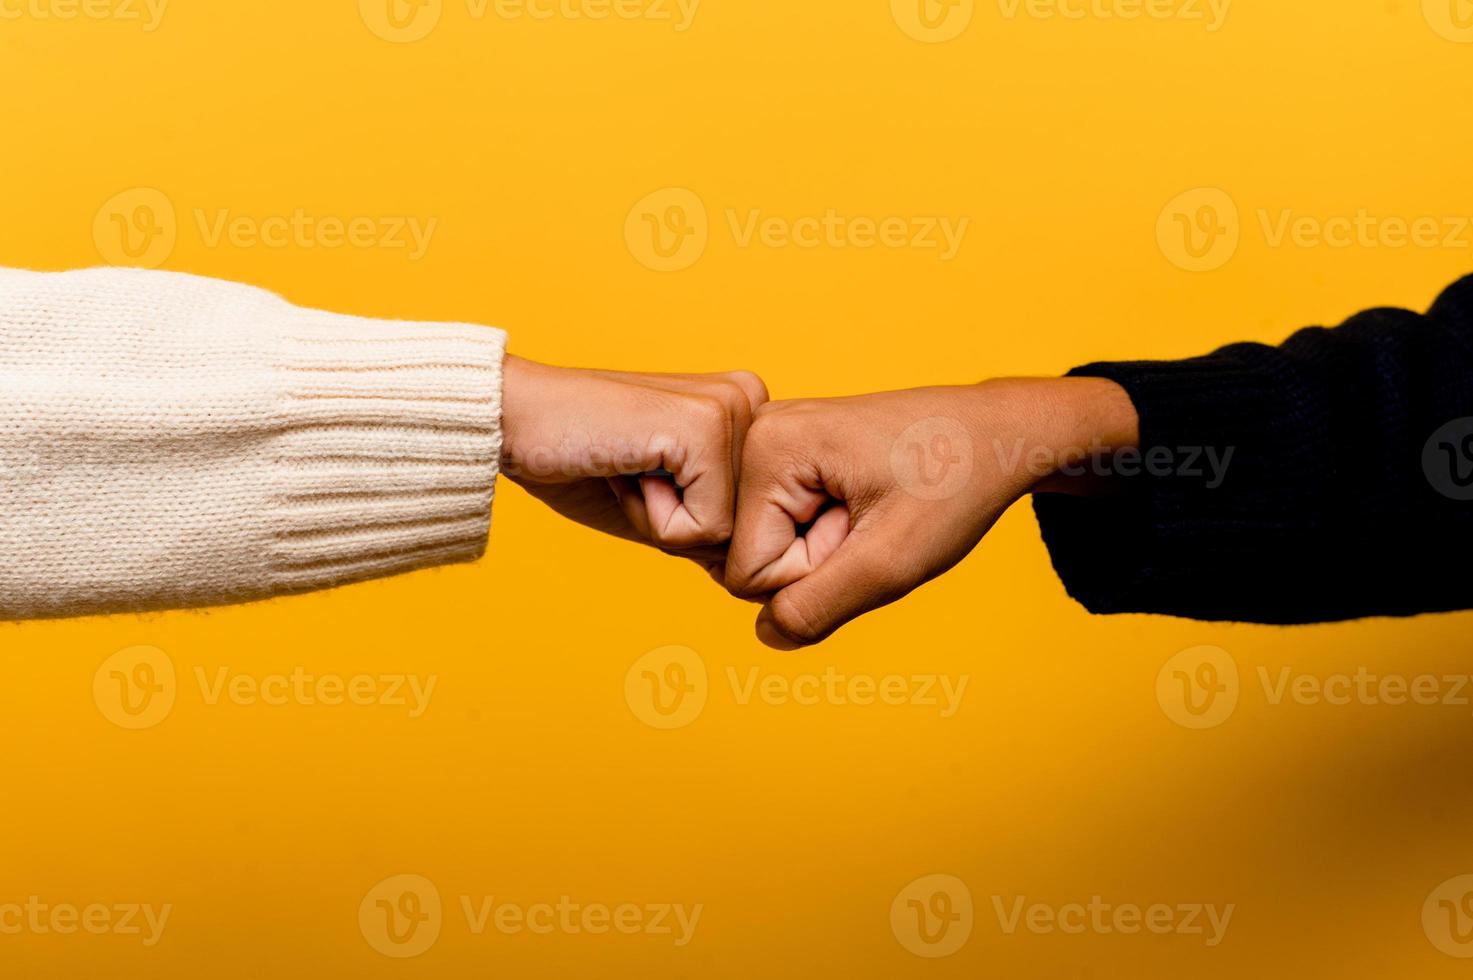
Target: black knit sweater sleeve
1346,491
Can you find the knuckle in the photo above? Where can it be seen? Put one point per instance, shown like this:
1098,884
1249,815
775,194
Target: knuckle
753,388
768,410
782,438
738,580
770,426
719,531
708,430
709,414
743,579
734,399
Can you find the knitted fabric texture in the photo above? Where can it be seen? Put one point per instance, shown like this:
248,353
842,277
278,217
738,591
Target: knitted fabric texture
1331,507
170,441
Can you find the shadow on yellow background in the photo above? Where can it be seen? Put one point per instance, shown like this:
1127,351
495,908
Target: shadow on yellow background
573,759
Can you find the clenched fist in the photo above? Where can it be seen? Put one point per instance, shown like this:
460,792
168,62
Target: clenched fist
848,504
648,457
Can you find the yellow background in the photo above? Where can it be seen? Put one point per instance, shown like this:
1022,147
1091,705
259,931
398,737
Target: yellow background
795,827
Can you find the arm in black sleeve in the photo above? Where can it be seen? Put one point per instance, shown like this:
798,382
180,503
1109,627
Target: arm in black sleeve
1348,491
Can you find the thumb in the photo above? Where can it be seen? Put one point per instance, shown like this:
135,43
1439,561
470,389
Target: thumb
865,573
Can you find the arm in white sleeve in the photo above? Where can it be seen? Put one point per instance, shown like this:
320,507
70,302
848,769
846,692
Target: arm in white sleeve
171,441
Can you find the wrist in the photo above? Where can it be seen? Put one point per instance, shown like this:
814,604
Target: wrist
522,383
1064,430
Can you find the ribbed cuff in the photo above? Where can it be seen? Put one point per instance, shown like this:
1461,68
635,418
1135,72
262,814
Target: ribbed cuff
1155,546
388,448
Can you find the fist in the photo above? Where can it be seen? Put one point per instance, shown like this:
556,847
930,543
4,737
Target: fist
648,457
848,504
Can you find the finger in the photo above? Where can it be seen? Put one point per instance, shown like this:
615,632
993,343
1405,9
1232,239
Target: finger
740,393
751,385
860,576
703,465
739,408
687,438
663,504
803,554
780,489
630,499
631,502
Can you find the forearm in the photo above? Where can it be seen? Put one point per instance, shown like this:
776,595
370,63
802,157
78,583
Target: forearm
175,441
1074,427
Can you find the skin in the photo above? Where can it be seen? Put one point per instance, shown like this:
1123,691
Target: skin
837,514
590,444
821,510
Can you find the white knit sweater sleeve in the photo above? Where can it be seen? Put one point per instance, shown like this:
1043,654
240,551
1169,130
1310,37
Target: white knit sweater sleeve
170,441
